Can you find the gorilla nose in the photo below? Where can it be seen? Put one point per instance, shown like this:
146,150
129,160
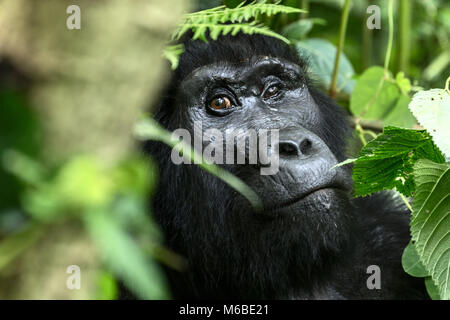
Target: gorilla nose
292,148
298,144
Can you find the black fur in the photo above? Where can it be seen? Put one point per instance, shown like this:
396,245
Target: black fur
234,253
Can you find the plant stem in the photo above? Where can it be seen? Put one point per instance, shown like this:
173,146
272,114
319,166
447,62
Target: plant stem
304,4
406,202
342,31
367,39
360,132
391,37
404,33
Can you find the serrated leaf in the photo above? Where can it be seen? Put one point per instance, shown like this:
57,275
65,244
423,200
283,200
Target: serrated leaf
432,110
321,54
387,161
411,262
432,289
430,223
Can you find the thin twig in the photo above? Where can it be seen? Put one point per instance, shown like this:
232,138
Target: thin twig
391,36
342,31
376,126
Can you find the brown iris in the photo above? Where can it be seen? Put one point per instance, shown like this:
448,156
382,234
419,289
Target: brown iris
271,92
220,103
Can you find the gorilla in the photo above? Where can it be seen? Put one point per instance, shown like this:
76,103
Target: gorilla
311,240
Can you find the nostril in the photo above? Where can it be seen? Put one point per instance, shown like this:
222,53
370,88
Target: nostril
305,146
288,148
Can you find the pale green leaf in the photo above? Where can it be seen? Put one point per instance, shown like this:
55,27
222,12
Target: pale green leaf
432,110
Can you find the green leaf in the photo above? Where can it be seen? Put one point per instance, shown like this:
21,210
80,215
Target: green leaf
45,203
84,182
15,244
373,96
430,223
108,288
403,83
432,289
172,53
215,30
299,29
222,20
378,97
25,168
400,115
321,54
124,257
387,161
432,110
411,262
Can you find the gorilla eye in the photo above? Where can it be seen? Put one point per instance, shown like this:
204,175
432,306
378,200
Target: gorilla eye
272,91
220,103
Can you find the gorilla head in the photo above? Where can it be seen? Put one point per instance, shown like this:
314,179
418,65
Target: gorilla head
305,234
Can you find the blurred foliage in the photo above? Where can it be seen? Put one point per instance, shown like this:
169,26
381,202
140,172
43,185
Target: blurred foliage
71,179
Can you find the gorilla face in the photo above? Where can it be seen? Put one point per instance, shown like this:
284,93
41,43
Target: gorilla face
271,93
307,216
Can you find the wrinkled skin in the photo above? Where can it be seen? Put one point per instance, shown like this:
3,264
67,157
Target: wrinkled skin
312,240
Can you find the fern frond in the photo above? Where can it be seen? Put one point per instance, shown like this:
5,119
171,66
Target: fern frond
217,17
172,53
222,21
215,30
240,13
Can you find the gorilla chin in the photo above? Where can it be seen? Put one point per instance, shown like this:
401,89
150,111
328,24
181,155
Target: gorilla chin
312,240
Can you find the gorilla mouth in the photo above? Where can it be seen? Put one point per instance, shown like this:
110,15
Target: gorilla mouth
305,196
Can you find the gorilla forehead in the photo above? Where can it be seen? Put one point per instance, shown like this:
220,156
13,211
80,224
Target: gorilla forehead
250,69
233,49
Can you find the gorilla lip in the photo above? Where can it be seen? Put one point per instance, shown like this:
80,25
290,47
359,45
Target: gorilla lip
303,197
